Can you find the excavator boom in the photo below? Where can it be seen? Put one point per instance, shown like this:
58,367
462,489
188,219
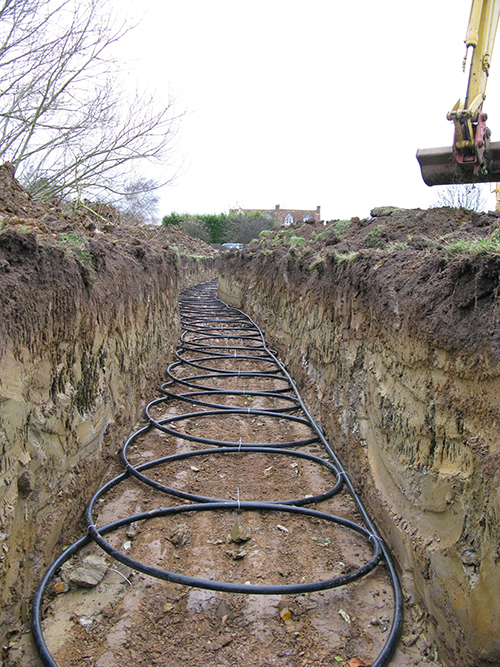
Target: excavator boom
472,158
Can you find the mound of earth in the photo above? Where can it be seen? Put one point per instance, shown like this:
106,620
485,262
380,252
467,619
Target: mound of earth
19,211
436,270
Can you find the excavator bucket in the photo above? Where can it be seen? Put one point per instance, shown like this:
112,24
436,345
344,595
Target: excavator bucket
439,166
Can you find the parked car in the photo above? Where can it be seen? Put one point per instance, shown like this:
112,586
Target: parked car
233,246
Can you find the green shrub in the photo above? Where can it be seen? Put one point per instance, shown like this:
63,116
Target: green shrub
297,240
264,235
395,245
321,236
316,263
476,246
177,255
172,220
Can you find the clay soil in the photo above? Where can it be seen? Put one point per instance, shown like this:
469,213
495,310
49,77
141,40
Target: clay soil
133,618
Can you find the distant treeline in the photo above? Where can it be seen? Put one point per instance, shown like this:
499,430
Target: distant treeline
222,227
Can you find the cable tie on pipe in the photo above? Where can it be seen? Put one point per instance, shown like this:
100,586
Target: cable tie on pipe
375,538
238,496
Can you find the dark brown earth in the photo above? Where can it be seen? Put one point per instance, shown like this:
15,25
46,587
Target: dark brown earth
42,244
148,622
88,231
412,251
430,262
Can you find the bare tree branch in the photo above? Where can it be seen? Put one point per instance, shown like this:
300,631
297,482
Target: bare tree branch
66,123
464,195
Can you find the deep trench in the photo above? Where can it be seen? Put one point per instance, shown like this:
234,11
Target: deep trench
224,369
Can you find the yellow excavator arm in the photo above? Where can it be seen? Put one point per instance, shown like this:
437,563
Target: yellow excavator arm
472,158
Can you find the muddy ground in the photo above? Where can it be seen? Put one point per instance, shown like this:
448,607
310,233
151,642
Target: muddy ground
133,618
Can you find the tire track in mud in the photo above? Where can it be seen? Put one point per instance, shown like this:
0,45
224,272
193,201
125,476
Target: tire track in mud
234,536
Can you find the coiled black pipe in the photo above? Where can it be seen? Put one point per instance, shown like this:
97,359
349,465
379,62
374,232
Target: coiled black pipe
197,316
397,622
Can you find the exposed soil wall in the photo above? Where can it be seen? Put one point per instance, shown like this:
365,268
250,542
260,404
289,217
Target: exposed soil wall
394,339
88,319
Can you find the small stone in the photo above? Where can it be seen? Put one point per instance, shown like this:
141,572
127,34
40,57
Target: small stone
345,616
286,614
25,484
411,640
86,622
90,573
59,587
449,497
240,532
223,610
237,554
132,530
212,646
180,536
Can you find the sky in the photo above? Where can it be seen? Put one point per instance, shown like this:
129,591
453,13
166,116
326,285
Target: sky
323,103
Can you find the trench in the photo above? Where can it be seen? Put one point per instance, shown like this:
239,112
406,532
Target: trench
241,504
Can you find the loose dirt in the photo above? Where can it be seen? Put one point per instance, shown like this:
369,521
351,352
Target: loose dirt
427,265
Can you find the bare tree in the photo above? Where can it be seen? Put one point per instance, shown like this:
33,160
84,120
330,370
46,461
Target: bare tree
140,203
66,122
243,227
195,227
464,195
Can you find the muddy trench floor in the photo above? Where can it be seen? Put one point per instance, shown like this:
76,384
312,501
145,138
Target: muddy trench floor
131,618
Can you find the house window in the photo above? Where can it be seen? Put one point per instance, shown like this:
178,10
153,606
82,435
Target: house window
288,220
306,217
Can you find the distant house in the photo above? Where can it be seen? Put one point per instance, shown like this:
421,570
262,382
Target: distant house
284,216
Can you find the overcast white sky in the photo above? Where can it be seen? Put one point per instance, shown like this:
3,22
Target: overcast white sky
306,104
